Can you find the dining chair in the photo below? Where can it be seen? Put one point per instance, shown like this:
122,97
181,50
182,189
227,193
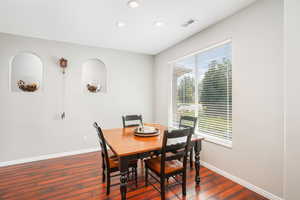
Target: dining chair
188,122
110,164
130,118
168,165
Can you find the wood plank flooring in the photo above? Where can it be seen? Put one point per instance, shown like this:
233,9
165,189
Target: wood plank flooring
79,178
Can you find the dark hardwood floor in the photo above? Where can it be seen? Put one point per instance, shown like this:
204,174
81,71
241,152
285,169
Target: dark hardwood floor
79,177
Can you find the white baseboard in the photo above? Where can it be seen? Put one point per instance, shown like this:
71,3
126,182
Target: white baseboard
48,156
241,182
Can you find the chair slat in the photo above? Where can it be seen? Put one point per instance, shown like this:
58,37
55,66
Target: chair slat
174,147
188,119
176,156
178,133
127,118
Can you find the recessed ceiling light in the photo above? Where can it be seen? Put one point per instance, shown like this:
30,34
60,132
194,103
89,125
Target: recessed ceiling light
133,3
159,23
120,24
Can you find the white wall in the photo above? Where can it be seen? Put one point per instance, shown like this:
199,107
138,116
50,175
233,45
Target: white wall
30,124
257,42
292,101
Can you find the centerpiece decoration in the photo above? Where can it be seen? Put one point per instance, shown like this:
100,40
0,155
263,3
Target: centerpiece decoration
146,131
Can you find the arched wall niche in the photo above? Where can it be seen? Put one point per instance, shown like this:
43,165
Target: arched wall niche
94,76
26,73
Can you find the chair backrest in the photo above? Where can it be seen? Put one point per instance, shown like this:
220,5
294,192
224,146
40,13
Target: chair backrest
127,118
188,121
102,144
178,142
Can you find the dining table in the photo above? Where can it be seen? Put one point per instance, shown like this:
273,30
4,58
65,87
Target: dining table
127,146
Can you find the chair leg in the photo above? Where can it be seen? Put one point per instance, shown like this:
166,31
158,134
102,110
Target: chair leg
136,176
191,159
146,176
128,174
103,176
103,169
162,188
184,183
108,184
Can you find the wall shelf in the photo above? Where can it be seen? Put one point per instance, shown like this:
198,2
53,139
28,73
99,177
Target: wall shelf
26,73
94,76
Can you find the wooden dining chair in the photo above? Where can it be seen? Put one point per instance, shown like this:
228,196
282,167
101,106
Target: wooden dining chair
136,118
168,165
188,122
110,164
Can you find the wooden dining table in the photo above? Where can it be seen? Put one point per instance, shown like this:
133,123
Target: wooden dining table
126,146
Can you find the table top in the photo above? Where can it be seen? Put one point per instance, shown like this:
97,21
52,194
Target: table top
123,142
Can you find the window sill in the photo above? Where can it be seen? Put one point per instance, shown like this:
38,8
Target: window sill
211,139
215,140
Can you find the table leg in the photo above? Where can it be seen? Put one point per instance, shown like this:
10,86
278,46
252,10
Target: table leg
123,162
197,148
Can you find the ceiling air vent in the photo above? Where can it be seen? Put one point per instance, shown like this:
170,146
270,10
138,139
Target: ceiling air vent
189,22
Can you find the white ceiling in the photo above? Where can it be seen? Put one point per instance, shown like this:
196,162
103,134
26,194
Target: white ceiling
93,22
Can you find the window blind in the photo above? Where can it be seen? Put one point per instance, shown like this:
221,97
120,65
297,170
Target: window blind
202,87
215,98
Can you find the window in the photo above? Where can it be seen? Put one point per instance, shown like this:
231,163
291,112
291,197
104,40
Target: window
202,87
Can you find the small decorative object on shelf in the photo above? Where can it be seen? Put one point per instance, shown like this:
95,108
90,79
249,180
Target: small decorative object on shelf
63,64
27,87
93,88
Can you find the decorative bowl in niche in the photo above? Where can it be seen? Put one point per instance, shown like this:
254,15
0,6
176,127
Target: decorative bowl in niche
94,88
27,87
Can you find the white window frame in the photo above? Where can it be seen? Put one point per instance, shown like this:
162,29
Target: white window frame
209,138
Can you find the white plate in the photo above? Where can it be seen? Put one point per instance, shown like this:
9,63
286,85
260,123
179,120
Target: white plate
146,135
